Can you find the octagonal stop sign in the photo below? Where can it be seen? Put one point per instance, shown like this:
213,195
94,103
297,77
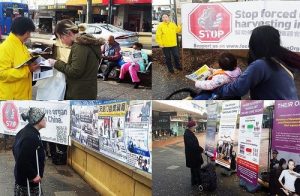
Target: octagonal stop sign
209,22
10,116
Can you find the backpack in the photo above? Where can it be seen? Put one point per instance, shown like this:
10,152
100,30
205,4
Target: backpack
208,177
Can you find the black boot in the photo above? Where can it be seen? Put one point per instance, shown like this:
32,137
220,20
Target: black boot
119,80
136,85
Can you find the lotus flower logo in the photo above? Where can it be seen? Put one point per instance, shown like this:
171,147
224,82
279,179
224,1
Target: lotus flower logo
210,19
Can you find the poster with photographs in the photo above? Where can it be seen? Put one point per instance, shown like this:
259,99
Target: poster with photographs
137,128
212,109
250,140
285,154
227,133
115,128
57,115
84,127
111,124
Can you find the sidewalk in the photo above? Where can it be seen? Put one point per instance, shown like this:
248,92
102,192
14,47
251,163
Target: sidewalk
112,90
172,177
57,181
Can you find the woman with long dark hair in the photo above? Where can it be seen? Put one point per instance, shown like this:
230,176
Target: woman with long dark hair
269,74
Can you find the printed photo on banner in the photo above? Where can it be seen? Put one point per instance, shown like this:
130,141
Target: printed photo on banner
84,125
101,126
210,144
285,159
57,115
139,112
137,134
226,153
249,141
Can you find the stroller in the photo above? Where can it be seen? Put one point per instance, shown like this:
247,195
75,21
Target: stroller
208,178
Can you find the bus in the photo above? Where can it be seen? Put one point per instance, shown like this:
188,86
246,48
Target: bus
8,12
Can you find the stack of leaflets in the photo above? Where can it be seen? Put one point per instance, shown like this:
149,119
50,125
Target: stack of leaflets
45,70
132,57
201,74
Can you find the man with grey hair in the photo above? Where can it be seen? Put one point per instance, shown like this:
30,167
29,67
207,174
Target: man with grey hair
111,54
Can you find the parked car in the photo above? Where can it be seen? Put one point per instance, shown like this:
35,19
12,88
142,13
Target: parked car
123,37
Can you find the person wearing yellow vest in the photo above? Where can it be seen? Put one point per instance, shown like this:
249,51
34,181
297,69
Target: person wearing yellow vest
167,40
229,72
16,83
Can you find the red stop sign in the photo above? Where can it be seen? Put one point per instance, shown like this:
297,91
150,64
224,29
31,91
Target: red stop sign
209,22
10,116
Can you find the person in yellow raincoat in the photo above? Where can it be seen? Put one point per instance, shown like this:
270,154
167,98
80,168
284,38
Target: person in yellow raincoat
16,83
167,40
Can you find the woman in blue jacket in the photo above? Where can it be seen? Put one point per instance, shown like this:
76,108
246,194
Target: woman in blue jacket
268,76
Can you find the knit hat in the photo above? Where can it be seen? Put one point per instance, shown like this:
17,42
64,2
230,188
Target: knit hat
191,124
33,116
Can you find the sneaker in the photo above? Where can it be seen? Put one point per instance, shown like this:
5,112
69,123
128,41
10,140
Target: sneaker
104,78
136,85
100,75
119,80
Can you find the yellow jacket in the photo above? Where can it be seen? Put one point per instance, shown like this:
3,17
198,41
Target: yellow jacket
166,34
14,83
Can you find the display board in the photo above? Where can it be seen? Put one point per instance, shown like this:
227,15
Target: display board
118,129
250,140
229,25
57,114
227,133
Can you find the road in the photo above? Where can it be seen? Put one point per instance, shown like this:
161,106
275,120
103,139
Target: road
172,177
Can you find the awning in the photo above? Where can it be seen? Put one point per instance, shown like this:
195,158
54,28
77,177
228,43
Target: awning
81,2
124,2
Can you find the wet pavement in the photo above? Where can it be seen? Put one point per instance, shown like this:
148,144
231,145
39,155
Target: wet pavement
172,177
57,181
112,90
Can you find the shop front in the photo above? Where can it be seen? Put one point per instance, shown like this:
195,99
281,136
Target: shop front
47,16
132,15
99,13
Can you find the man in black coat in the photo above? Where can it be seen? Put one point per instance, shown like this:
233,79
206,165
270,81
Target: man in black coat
193,153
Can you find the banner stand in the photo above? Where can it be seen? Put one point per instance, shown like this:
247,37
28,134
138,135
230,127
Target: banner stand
271,113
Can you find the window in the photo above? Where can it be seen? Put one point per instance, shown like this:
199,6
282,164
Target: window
112,28
91,30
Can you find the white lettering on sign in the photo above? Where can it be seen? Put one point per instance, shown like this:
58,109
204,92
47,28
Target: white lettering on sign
210,34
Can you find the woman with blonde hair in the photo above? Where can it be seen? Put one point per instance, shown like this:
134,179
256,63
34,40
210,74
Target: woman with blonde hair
82,66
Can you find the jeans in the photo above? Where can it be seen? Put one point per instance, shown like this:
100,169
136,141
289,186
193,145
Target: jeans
171,51
205,95
110,66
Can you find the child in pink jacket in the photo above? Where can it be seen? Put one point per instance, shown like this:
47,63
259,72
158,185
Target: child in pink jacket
229,72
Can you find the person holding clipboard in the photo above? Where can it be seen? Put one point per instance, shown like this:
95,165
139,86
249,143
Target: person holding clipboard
15,62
